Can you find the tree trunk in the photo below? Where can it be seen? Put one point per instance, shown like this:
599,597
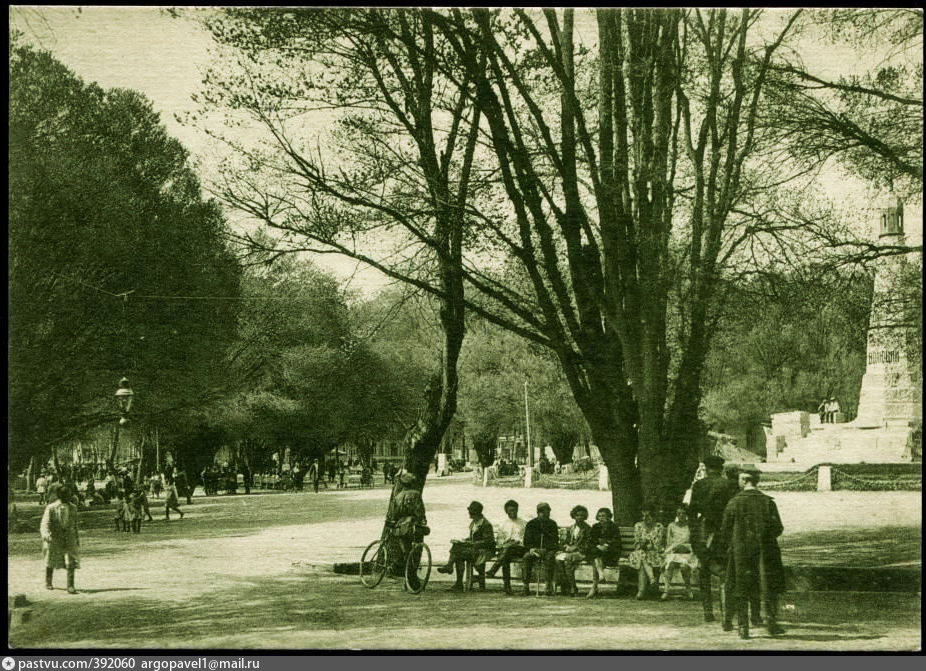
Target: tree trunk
626,494
617,444
485,449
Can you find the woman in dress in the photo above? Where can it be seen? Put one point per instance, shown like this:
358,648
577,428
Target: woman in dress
574,551
649,542
604,547
679,556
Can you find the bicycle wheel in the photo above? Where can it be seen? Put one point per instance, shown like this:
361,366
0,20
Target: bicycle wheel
373,564
418,568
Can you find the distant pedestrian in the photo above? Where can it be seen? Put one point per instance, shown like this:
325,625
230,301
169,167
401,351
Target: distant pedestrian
60,539
833,409
315,475
155,486
821,410
172,501
130,514
118,503
248,476
41,486
183,486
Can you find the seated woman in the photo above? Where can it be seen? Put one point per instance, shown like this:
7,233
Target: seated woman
649,542
678,552
604,547
575,550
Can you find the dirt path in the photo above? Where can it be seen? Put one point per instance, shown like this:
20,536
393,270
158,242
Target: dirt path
240,573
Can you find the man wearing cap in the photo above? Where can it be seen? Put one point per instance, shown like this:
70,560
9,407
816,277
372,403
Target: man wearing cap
509,541
60,541
750,530
541,541
709,498
477,549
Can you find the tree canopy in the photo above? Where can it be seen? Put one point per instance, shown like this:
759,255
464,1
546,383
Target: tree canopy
113,257
595,199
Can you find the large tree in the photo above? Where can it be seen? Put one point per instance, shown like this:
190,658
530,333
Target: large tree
117,265
603,176
400,164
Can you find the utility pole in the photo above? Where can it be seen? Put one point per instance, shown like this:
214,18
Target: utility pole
529,473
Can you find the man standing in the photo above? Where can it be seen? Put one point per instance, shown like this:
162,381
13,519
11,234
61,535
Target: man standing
750,531
509,541
41,486
476,549
709,498
315,474
60,541
541,541
183,486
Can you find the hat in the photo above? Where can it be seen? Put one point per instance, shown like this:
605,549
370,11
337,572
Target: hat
474,507
543,506
713,461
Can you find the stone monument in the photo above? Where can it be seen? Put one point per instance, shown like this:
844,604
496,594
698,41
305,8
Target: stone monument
888,396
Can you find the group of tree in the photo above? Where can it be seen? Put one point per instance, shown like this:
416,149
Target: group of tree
626,186
120,267
108,232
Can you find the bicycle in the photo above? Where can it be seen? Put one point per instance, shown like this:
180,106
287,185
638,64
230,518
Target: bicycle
375,563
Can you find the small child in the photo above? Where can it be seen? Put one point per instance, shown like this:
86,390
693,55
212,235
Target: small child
119,509
128,512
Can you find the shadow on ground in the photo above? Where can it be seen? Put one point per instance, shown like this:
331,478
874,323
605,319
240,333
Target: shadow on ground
296,609
857,547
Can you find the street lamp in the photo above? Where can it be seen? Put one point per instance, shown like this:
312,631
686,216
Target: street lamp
124,395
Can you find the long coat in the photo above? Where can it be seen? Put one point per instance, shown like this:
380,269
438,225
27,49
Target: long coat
750,531
60,540
709,499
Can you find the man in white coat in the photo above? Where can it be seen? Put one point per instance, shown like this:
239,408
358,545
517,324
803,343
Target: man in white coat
60,541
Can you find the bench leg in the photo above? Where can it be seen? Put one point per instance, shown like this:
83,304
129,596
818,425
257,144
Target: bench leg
468,576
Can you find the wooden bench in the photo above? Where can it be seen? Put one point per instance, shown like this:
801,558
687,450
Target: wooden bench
583,571
356,480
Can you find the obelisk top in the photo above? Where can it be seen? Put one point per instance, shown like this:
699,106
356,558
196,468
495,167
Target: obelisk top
890,211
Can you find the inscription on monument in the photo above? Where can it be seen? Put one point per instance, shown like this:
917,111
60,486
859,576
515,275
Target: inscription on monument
884,356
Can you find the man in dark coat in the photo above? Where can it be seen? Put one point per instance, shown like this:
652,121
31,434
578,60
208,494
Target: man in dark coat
541,541
709,498
750,530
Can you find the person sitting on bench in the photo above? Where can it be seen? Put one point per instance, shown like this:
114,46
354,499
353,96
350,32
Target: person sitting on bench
509,542
541,540
575,550
604,547
476,550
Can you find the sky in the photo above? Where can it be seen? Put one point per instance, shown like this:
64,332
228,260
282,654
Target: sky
144,48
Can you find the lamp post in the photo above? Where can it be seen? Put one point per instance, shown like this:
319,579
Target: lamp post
529,473
124,395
